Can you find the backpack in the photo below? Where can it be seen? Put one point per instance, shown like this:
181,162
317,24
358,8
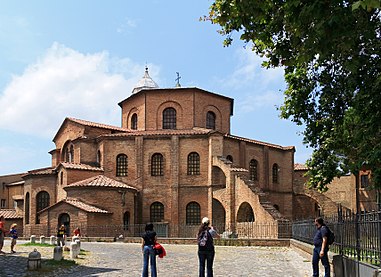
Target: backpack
331,236
202,238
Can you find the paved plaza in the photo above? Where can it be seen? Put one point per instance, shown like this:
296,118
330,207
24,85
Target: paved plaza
121,259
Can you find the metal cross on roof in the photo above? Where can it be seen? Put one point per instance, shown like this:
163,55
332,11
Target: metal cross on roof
178,80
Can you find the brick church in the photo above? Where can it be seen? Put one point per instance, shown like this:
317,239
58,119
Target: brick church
173,160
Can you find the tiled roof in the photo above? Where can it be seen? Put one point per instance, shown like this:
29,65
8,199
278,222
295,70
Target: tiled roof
165,132
78,204
42,171
97,125
10,213
83,206
16,183
260,142
80,166
300,167
100,181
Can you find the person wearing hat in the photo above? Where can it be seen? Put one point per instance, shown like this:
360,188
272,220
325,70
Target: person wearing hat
206,252
14,236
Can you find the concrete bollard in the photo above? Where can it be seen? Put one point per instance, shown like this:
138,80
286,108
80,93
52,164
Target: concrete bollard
78,241
32,239
42,239
73,238
52,240
57,254
73,250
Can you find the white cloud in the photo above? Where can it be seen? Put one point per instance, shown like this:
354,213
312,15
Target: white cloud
127,24
67,83
265,99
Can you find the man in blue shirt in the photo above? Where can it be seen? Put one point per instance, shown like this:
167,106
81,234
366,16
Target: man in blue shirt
321,248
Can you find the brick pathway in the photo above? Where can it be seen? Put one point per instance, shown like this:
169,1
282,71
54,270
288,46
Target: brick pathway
121,259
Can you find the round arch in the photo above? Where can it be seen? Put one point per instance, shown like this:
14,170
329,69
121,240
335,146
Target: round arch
245,213
64,219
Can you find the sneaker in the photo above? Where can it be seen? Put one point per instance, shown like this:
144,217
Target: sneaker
13,251
2,252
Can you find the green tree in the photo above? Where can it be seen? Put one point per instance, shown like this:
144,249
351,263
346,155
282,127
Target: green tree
330,51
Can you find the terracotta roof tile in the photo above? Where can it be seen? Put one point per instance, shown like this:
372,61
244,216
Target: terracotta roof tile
80,166
300,167
165,132
10,214
100,181
42,171
18,197
97,125
83,206
260,142
16,183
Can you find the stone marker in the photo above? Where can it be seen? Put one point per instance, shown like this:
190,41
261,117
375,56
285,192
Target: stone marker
57,254
32,239
52,240
73,250
42,239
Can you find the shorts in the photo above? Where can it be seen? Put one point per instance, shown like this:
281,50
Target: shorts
13,241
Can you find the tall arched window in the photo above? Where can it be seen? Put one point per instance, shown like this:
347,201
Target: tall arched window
42,201
169,118
99,158
126,220
157,212
69,153
253,170
134,121
157,165
275,173
211,120
121,165
193,213
27,205
193,164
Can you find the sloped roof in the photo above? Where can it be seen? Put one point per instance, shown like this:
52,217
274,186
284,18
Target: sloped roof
16,183
42,171
10,214
18,197
79,166
260,142
300,167
102,182
78,204
163,132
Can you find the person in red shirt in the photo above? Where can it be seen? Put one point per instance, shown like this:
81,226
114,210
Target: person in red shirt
2,234
77,232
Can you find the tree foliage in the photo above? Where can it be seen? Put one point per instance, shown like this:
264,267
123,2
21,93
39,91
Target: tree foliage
330,51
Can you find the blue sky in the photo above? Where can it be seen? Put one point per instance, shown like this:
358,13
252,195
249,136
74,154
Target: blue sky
80,58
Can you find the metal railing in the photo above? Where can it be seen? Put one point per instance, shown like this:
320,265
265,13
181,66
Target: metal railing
356,236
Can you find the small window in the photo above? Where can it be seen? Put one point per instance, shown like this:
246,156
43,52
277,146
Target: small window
210,120
169,118
121,165
99,158
193,164
157,165
126,220
3,203
61,178
69,153
253,170
27,205
193,213
157,212
229,158
275,173
134,121
364,181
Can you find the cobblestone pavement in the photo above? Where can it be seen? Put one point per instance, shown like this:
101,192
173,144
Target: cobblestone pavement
121,259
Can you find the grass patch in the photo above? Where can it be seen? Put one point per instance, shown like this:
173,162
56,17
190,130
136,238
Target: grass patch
38,244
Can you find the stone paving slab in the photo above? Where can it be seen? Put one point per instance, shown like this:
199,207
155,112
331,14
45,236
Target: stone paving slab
121,259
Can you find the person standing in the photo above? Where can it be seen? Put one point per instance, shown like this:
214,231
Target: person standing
14,236
320,248
77,232
206,247
2,234
148,241
61,235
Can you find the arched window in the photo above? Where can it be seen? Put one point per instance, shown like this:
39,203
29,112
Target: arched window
42,201
275,173
27,205
126,220
169,118
193,213
229,158
193,164
61,178
253,170
276,207
64,219
69,153
211,120
157,165
157,212
245,213
134,121
121,165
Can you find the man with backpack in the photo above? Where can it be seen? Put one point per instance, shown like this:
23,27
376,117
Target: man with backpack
321,241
